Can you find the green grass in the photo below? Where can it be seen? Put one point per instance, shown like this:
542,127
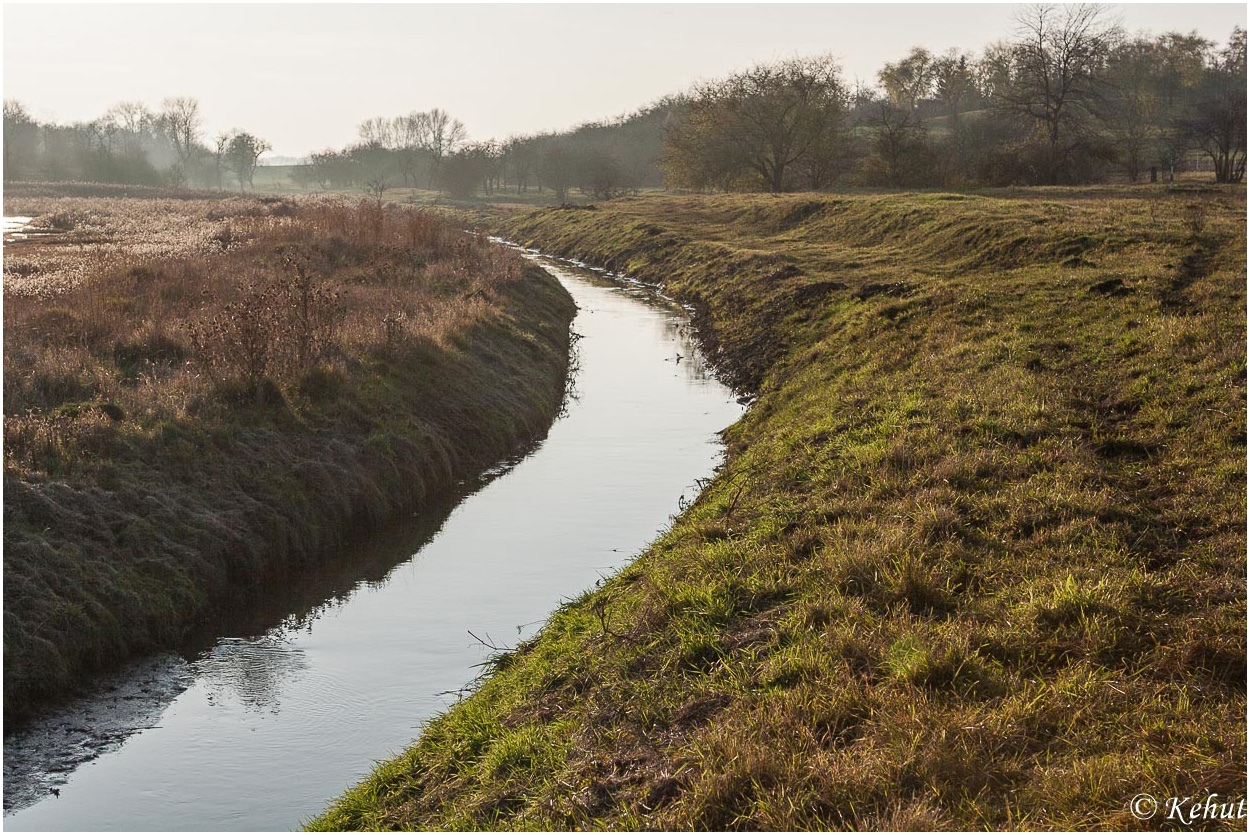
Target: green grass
150,479
976,559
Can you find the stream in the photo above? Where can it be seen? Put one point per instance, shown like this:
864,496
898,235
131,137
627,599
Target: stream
261,723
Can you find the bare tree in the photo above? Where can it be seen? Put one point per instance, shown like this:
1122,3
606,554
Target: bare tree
130,116
377,188
181,119
129,127
442,135
409,133
221,145
1055,65
378,131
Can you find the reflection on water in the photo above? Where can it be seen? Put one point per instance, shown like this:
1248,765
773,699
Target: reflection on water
253,672
302,686
14,226
43,756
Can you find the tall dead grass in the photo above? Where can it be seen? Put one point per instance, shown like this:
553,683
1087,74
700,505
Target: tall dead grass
178,426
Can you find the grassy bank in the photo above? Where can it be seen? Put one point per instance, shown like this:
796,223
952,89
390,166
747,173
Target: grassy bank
182,424
976,560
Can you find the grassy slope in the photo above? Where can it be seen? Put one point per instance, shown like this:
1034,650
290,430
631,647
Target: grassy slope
144,486
977,558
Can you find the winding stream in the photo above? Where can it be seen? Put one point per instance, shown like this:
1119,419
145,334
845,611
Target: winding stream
259,726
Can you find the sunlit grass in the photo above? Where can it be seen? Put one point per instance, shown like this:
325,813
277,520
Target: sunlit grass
977,558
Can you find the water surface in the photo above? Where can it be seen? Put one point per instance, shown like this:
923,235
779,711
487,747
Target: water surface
260,725
13,226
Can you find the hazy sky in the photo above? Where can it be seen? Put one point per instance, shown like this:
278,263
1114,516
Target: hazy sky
302,76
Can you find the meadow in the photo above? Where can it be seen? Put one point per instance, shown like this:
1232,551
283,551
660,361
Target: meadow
204,393
976,558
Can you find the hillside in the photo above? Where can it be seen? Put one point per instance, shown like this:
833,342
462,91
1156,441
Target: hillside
976,558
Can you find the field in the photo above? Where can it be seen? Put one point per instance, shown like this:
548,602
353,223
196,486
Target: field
202,393
84,230
976,558
276,179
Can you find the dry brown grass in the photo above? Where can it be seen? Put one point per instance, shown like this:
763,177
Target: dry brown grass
158,335
75,237
180,423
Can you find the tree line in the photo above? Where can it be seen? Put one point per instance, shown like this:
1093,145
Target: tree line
431,149
1069,98
131,143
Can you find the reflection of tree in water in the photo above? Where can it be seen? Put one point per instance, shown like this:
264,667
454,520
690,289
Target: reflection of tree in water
678,329
253,671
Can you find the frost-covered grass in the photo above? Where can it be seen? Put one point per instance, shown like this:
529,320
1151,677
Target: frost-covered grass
187,419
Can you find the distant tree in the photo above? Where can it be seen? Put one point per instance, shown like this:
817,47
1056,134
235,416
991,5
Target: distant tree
908,81
441,135
556,171
21,138
305,176
519,159
221,146
1054,73
332,168
830,157
1181,63
242,154
378,131
132,123
176,177
114,147
993,73
756,125
954,83
1130,108
408,131
600,175
371,160
462,173
898,144
180,118
1217,120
